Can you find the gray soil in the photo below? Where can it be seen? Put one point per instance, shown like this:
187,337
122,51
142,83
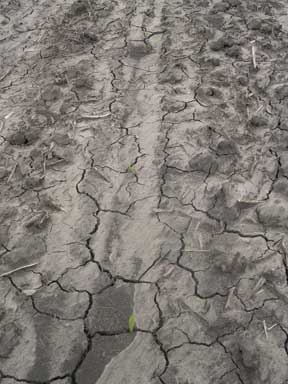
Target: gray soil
143,170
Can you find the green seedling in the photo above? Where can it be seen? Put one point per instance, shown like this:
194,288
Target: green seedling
131,323
131,169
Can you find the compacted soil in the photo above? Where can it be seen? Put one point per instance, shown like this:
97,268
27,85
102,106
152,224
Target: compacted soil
144,175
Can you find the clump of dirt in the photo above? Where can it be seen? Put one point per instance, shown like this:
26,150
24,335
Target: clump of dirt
264,25
262,364
221,43
36,220
10,334
172,74
203,162
229,263
78,8
258,121
31,182
222,6
23,135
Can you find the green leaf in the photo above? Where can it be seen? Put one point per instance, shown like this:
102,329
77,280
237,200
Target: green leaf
131,323
131,169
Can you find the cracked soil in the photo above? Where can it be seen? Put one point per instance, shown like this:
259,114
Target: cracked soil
144,170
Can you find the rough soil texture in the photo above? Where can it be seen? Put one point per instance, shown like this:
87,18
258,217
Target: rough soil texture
144,170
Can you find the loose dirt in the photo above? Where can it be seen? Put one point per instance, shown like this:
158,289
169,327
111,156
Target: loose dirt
143,170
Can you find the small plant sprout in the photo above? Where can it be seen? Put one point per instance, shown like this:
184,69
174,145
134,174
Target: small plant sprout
131,169
131,323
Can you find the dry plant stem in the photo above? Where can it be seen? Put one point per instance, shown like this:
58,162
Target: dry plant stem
259,109
101,175
265,329
92,10
229,297
196,250
254,54
18,269
12,173
94,117
5,118
272,326
167,273
6,74
257,287
159,210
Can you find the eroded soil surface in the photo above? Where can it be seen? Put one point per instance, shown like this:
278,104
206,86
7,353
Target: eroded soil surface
144,170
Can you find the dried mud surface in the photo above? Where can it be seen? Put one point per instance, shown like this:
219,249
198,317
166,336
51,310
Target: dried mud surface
144,170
